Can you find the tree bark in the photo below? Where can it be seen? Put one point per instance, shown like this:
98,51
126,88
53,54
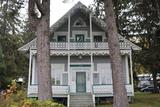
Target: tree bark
119,91
41,27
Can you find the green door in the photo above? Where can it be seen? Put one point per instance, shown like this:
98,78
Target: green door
81,82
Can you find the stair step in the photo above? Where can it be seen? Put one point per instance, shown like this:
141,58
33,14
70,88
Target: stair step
81,106
81,100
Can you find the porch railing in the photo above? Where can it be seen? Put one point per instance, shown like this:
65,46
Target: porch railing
82,45
108,89
33,90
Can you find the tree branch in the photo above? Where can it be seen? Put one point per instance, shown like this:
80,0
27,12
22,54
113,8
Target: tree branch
33,20
40,7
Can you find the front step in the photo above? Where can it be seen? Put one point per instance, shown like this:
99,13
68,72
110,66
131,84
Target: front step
81,100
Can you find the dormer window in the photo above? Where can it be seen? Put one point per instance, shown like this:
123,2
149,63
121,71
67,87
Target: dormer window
79,23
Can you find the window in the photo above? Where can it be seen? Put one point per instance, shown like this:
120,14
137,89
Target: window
98,38
57,73
65,79
79,38
105,73
95,78
61,38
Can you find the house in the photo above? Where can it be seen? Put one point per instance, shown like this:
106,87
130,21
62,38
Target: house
80,59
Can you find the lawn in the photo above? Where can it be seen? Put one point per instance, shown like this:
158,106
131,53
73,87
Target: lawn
143,100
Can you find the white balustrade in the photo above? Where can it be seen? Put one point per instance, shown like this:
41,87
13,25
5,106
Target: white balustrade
81,45
100,45
33,90
108,89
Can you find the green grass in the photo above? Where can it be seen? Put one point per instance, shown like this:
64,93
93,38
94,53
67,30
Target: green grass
143,100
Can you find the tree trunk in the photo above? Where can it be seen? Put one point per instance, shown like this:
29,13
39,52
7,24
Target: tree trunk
41,28
154,75
119,91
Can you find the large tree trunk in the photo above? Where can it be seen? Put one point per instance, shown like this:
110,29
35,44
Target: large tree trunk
119,91
43,60
41,28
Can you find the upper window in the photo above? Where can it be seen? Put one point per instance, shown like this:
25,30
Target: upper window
61,38
98,38
79,23
79,38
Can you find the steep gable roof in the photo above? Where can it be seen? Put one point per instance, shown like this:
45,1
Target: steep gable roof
64,18
82,7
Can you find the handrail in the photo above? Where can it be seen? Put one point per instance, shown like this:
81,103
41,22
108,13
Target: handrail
81,45
108,89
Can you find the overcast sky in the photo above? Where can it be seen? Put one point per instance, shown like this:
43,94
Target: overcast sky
58,8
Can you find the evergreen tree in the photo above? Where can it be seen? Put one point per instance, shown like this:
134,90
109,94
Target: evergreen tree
12,64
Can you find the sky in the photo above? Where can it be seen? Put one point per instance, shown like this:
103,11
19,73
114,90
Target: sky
58,8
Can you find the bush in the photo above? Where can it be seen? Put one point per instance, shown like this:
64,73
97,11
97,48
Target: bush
16,98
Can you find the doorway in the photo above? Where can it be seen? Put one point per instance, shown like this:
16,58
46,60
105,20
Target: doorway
81,82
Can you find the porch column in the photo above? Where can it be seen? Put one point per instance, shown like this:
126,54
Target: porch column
69,28
127,70
131,71
91,36
33,70
69,74
30,68
91,42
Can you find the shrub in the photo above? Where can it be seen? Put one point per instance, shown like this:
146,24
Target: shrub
13,98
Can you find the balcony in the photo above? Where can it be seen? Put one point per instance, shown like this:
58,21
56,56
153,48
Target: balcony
82,45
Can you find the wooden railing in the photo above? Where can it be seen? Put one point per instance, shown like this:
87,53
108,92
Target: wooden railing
108,89
61,90
81,45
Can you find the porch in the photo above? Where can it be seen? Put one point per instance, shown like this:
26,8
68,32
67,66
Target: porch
64,91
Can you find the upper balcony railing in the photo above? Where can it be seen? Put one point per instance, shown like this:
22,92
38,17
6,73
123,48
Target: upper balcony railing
82,45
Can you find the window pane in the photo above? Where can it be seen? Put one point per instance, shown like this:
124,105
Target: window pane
58,78
53,81
80,38
98,38
95,78
65,79
61,38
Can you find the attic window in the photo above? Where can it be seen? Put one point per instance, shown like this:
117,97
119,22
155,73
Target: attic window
79,23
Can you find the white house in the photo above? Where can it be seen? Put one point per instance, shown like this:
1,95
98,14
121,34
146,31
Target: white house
80,59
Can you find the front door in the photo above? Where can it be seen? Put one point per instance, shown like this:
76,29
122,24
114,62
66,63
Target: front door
81,82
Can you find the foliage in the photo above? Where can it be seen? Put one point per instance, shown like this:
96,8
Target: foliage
12,97
12,63
8,92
